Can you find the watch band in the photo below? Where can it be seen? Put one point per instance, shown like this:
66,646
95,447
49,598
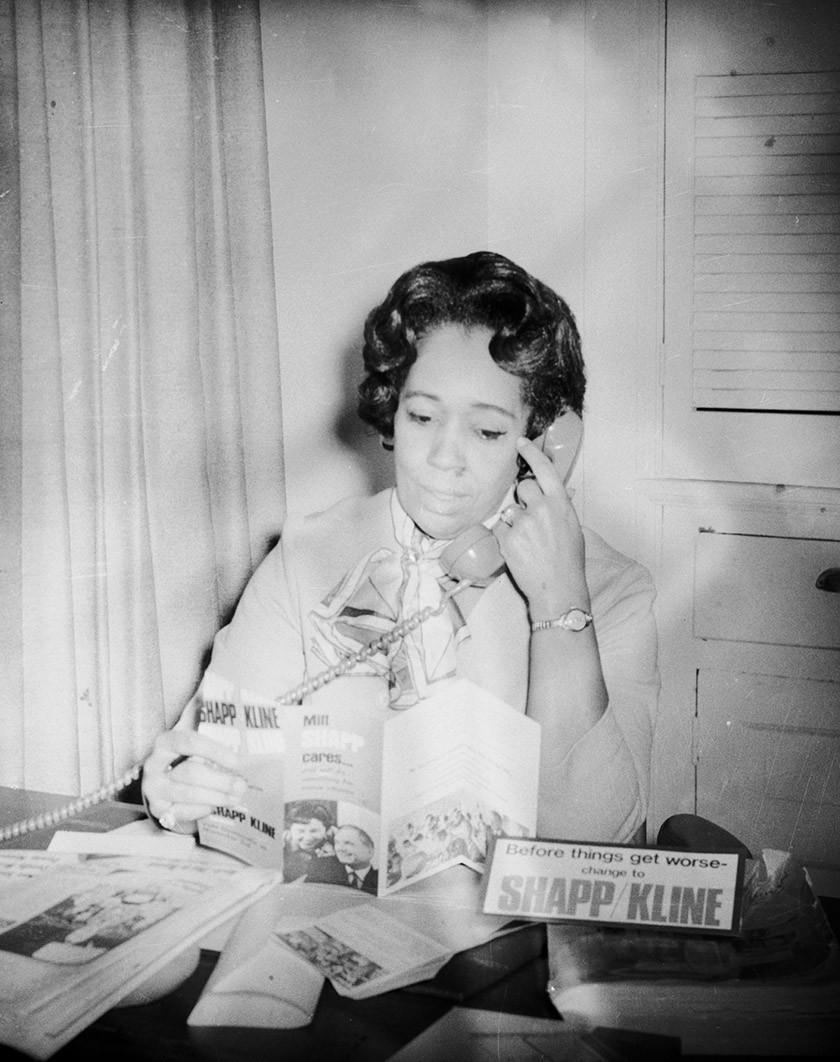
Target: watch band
576,619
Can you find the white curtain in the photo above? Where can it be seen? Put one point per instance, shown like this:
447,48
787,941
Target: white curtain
141,475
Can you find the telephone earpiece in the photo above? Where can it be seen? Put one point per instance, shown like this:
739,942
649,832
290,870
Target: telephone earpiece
562,442
475,555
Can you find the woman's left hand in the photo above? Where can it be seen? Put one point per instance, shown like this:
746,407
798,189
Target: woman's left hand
542,542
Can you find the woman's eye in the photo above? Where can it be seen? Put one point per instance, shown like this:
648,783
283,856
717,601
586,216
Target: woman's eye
489,435
419,418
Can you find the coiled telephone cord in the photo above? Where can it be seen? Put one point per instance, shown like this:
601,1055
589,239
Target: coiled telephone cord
376,645
74,807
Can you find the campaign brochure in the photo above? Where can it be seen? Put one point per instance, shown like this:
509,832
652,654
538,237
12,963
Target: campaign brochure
342,794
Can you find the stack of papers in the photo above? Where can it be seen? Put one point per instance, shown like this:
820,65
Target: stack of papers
79,932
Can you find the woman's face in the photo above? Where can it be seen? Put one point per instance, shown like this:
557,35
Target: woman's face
307,836
455,432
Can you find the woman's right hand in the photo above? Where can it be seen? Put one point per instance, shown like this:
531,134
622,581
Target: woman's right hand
188,775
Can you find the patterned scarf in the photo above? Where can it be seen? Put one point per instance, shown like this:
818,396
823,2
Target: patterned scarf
383,589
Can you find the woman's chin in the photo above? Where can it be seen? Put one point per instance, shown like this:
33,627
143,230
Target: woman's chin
439,525
443,517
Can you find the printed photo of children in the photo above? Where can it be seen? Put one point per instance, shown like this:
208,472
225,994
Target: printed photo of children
451,830
336,960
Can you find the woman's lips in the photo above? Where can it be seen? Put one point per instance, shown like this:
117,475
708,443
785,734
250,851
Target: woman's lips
445,498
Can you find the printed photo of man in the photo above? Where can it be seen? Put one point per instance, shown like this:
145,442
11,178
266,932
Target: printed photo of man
352,863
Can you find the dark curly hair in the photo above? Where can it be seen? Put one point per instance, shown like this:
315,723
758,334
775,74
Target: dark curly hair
534,334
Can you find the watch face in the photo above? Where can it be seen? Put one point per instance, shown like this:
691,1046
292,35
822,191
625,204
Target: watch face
575,619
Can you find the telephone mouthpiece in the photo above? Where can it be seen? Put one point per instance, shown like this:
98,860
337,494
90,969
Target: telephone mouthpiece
473,556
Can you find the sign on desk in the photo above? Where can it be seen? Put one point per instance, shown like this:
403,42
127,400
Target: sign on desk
570,881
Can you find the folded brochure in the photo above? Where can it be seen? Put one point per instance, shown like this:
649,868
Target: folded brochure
344,794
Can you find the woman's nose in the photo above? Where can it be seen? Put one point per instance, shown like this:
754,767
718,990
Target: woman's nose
447,451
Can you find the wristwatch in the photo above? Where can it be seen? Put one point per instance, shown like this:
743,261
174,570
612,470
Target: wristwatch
573,620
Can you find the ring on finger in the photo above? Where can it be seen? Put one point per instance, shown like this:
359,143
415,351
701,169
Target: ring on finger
168,820
506,515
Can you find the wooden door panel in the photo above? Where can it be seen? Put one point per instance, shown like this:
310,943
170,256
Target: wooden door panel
768,762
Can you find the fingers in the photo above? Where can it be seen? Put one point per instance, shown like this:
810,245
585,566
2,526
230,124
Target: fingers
540,537
541,465
172,744
188,775
528,493
197,782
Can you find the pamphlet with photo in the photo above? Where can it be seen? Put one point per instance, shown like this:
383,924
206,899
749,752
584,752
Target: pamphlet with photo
340,794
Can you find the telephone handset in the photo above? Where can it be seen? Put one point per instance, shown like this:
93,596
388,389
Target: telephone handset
473,558
475,555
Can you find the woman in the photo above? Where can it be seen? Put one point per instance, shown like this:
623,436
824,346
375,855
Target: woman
308,836
467,362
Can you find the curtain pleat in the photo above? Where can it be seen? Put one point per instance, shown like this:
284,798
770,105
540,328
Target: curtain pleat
142,475
11,398
47,591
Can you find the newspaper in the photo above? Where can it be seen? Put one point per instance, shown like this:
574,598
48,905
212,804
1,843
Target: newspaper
78,932
393,798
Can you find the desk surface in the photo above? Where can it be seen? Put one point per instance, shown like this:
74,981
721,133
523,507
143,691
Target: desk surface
19,805
343,1030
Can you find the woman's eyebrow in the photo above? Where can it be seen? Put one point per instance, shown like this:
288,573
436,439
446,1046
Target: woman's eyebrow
490,406
494,408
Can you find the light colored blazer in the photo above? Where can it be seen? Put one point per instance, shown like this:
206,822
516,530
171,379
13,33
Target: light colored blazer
267,648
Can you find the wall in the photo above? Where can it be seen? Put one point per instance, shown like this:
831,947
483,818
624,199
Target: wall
404,131
377,133
574,194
